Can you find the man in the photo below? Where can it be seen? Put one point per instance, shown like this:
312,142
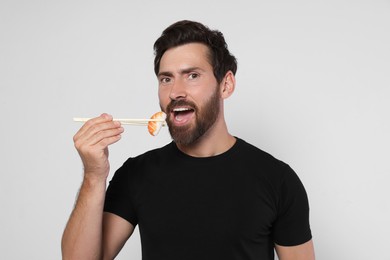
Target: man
207,194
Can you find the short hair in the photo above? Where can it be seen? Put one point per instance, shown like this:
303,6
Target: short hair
185,31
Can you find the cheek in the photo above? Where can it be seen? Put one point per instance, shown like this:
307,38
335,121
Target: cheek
163,97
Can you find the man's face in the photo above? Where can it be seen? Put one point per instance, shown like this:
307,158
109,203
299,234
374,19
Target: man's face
188,92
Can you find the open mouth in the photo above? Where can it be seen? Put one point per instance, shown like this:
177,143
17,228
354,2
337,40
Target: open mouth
181,115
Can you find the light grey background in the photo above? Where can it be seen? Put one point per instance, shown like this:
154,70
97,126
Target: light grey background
312,89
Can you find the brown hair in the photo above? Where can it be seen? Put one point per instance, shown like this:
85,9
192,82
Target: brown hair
183,32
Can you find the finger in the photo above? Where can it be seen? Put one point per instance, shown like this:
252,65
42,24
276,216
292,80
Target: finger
104,133
105,142
96,133
91,122
88,124
86,141
99,127
96,145
92,128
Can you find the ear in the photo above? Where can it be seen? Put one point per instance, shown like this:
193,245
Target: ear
228,85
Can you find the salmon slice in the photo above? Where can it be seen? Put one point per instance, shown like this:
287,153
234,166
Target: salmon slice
155,126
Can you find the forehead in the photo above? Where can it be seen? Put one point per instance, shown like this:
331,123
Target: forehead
191,54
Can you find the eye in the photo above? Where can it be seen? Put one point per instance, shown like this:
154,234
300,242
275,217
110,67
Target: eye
193,75
165,80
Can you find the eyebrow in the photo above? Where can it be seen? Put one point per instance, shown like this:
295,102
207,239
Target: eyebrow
182,71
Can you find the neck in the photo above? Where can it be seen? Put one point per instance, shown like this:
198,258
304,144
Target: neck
215,141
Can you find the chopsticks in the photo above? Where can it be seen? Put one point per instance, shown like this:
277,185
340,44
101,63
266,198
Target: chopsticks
125,121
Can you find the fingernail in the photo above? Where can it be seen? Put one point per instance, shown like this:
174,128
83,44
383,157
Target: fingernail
106,116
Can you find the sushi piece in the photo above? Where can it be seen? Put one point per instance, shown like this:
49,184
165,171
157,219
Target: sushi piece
155,126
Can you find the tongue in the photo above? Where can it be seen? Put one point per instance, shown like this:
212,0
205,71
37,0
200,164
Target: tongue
183,116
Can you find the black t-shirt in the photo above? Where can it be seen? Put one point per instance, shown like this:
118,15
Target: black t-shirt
235,205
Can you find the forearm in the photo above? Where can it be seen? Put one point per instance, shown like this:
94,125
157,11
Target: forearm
82,238
300,252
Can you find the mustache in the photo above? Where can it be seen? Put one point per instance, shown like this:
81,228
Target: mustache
180,102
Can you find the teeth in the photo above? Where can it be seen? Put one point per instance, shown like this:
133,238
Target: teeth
180,109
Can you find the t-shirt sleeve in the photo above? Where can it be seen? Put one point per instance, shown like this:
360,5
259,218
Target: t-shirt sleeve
292,224
120,194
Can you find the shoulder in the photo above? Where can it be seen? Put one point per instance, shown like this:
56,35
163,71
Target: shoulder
134,166
251,150
264,165
254,155
153,155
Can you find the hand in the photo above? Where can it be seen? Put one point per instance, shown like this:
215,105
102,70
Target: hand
92,141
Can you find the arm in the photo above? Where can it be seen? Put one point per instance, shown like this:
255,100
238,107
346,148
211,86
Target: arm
116,231
301,252
83,235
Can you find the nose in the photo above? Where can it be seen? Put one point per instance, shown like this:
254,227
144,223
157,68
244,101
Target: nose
178,90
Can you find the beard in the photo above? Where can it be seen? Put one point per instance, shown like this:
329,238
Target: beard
205,118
